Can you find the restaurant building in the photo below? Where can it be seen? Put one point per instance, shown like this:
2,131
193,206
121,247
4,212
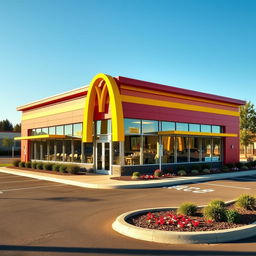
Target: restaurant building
120,125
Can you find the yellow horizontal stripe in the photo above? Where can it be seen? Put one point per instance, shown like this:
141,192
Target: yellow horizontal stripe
54,111
176,95
198,133
168,104
43,136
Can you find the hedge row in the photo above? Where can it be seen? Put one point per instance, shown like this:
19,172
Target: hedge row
63,168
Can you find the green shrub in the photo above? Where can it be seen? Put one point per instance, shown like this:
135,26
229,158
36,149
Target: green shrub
136,175
206,171
28,164
215,213
73,169
246,201
197,167
230,165
244,167
239,165
157,173
249,165
63,168
21,164
33,165
47,166
187,209
206,166
225,168
217,202
56,167
16,163
181,168
39,166
232,216
194,172
182,173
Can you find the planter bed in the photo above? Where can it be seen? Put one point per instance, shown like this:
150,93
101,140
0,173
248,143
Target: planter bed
44,171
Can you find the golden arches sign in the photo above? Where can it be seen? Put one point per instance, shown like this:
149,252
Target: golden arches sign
100,86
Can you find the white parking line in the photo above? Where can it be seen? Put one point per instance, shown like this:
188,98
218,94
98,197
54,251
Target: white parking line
226,186
17,189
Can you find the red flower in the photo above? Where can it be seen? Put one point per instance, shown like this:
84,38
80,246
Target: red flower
195,223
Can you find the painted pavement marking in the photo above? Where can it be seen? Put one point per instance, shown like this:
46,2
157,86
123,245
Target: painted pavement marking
191,189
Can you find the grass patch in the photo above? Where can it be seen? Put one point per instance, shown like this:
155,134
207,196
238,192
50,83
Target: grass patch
5,165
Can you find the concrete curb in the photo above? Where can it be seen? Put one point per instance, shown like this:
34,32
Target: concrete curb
170,237
113,184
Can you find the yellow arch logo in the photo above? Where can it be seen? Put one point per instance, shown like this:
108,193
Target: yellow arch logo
101,86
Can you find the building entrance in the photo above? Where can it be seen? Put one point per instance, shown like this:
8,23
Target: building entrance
103,157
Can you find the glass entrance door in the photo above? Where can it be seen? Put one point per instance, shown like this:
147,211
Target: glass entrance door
103,157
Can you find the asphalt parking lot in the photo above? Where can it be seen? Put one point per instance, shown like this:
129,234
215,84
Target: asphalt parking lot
45,218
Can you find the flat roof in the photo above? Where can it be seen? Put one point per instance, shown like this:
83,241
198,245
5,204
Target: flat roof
82,91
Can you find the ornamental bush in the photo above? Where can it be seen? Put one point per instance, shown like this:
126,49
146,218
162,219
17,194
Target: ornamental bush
188,208
225,168
182,173
56,167
28,164
244,167
47,166
16,163
246,201
217,202
194,172
33,165
158,173
63,168
21,164
214,213
73,168
232,216
39,166
206,171
136,175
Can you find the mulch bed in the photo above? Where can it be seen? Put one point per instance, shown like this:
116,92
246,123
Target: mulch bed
44,171
247,217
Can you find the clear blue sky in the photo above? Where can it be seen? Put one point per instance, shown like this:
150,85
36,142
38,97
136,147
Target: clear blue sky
50,46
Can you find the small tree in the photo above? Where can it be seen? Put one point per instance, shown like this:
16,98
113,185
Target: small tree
6,126
17,128
247,125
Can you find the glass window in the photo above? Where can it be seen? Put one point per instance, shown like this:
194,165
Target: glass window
150,149
59,150
51,156
168,149
44,155
182,149
149,126
116,152
88,152
132,150
38,131
37,150
52,130
206,150
60,130
32,150
77,130
68,130
216,129
205,128
168,126
132,126
194,127
33,132
103,126
67,151
194,145
182,127
216,150
77,151
45,130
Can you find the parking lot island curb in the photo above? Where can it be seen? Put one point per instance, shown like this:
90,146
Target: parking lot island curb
121,226
86,181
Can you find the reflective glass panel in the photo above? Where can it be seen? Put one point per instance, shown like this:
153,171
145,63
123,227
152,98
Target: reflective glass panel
103,127
38,131
194,127
216,149
68,130
67,154
88,152
168,149
216,129
205,128
168,126
150,149
181,127
116,152
206,150
194,143
149,126
182,149
132,126
59,151
77,151
60,130
45,130
77,130
52,130
132,150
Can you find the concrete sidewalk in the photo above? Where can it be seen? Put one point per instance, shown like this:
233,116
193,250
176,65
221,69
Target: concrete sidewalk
99,181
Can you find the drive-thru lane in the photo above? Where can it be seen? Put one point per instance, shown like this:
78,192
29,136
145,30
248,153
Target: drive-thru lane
54,219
